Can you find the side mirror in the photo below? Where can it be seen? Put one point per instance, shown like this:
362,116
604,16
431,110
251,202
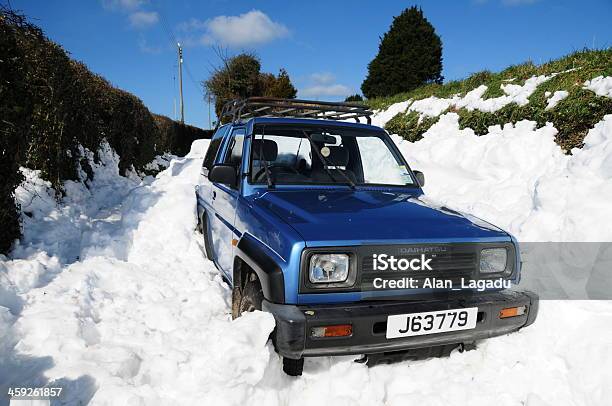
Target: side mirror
420,178
225,174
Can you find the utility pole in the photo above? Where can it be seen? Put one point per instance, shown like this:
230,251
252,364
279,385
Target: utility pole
180,67
209,123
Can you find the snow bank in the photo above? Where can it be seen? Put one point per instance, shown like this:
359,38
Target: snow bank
432,106
602,86
160,162
473,100
381,117
109,295
518,178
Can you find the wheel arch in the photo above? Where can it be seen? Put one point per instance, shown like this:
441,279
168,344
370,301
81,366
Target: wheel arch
251,255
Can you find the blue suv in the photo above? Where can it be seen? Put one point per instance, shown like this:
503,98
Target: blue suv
320,221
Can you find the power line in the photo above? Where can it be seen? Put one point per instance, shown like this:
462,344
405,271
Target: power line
195,82
166,27
174,42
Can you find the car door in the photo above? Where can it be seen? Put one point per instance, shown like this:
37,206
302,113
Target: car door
204,188
224,200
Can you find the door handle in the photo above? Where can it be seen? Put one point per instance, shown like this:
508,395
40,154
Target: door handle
214,195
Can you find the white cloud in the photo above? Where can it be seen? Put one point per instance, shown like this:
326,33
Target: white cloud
192,25
323,85
143,19
252,28
331,90
322,78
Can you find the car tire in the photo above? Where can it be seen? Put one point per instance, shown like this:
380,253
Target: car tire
293,367
251,296
249,300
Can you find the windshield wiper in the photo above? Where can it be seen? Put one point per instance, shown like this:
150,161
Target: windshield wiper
325,163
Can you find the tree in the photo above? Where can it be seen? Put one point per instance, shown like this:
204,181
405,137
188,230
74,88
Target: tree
281,86
354,98
409,55
240,77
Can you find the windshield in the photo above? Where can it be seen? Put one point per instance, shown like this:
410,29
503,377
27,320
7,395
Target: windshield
315,155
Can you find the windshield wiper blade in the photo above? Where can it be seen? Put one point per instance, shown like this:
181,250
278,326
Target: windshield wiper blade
325,163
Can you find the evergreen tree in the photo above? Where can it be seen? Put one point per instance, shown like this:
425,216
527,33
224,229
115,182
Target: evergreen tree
354,98
409,55
282,86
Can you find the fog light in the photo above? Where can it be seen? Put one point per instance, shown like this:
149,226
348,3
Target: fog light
512,312
340,330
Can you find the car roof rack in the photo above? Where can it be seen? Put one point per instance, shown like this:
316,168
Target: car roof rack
241,109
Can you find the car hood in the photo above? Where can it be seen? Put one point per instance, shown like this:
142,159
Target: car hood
361,216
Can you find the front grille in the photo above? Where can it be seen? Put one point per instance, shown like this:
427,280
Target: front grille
449,263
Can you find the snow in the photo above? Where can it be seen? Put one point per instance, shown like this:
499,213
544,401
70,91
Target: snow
380,118
473,100
555,98
109,295
541,194
431,106
602,86
160,162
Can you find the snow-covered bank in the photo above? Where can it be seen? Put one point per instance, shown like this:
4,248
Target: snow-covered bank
112,299
518,178
110,296
474,99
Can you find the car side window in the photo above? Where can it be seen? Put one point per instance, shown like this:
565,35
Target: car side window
234,151
213,148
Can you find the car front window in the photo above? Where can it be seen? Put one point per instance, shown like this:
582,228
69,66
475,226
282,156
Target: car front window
315,155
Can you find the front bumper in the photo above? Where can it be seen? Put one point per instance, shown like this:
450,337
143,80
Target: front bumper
369,319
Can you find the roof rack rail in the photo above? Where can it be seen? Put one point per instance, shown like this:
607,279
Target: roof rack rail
275,107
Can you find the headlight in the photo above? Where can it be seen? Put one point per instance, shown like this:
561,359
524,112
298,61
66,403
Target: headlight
493,260
328,268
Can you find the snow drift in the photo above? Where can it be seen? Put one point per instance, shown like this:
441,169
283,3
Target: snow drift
518,178
109,295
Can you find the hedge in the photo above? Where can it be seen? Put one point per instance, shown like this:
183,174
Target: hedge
51,104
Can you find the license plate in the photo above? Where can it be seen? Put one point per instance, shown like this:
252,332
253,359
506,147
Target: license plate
418,324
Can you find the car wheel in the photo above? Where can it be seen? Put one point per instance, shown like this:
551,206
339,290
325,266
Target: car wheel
293,367
249,300
251,297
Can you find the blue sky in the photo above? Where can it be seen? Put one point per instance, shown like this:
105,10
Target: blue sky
324,45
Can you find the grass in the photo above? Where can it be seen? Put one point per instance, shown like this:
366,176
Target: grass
573,116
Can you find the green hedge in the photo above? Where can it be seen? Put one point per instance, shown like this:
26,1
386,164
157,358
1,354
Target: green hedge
176,137
51,104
